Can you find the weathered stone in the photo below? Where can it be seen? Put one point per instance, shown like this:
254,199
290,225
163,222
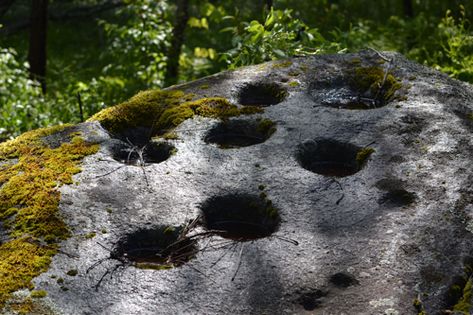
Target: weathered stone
349,192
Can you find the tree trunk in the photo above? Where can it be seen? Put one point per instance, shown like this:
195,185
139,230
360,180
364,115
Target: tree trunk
37,48
180,23
408,8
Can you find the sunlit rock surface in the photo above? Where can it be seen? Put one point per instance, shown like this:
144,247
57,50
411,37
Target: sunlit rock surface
357,199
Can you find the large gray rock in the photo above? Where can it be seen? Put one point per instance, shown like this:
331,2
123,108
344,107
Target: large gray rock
300,225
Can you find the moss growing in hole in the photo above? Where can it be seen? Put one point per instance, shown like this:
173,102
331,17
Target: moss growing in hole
90,235
39,294
363,154
374,81
464,304
72,273
161,111
60,281
29,201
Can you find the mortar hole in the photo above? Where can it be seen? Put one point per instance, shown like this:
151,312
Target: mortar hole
156,248
343,280
151,152
312,299
240,133
261,94
329,157
242,217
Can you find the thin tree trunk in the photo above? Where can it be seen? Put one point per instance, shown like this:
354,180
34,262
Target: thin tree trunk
408,8
37,48
269,4
172,67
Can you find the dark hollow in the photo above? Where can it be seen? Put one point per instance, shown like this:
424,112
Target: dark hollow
329,157
261,94
343,280
240,217
311,300
239,133
157,247
398,197
151,152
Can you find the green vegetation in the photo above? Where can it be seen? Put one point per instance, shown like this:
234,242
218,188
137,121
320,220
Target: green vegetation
29,201
362,155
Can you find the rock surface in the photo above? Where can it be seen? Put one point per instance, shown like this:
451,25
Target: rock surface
356,200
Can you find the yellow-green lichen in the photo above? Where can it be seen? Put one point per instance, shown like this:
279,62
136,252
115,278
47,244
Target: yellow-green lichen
294,84
204,86
266,127
29,201
362,155
161,111
463,306
381,85
282,64
38,294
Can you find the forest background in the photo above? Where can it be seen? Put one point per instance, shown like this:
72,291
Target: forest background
61,61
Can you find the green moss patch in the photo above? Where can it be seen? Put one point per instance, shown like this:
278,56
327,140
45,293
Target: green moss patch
161,111
363,154
375,83
29,200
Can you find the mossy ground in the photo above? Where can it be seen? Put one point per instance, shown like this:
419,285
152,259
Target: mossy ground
29,200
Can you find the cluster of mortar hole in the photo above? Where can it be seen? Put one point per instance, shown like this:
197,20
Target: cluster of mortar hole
329,157
240,133
156,248
261,94
240,217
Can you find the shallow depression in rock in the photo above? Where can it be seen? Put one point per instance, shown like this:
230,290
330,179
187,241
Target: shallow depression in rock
240,133
261,94
156,248
131,154
242,217
330,157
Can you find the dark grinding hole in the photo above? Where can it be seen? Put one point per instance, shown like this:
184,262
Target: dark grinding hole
240,133
329,157
343,280
156,248
311,300
151,152
364,88
241,217
261,94
398,197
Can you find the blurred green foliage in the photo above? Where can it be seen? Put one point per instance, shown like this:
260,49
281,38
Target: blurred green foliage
112,55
